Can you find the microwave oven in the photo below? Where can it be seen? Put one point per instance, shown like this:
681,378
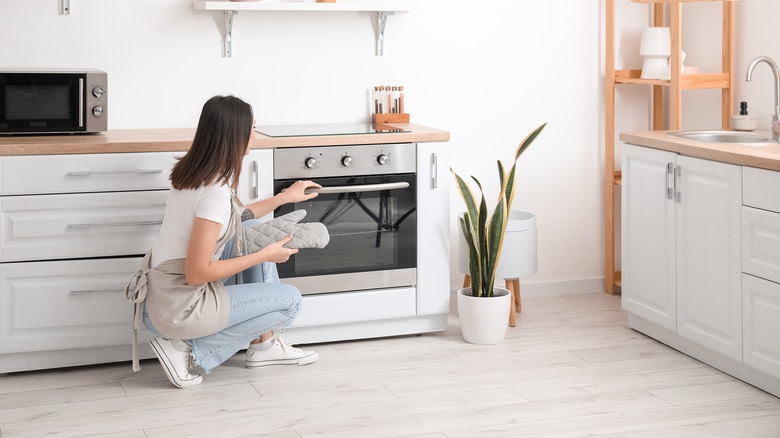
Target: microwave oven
53,101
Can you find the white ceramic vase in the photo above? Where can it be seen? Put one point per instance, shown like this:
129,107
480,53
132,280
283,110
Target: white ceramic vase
483,320
655,48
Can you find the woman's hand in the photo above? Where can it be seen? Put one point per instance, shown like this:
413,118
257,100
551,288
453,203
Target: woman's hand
277,252
297,191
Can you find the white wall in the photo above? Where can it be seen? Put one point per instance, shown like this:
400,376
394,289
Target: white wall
489,72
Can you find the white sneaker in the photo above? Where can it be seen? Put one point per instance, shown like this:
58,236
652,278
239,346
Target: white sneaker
175,363
279,353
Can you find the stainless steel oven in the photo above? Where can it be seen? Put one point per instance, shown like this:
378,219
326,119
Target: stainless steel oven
368,203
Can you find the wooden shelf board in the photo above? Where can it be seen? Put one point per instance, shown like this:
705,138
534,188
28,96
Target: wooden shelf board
678,1
687,82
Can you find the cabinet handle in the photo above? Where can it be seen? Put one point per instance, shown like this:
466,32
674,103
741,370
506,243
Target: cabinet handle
256,180
434,170
677,194
95,292
114,172
121,224
669,181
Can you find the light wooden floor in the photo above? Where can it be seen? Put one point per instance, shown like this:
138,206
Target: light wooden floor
570,368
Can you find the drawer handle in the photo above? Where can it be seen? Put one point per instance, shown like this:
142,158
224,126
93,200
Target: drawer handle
95,292
125,224
114,172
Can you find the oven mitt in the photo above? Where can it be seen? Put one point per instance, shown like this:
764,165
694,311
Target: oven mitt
306,235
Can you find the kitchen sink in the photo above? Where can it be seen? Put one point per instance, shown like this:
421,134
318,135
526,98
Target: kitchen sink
734,137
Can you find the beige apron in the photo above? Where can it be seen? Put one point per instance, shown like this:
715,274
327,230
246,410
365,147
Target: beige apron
179,310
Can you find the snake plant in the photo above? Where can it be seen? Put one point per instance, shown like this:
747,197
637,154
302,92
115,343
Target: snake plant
484,231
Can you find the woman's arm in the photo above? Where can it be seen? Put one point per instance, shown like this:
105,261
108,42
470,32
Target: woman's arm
200,269
294,193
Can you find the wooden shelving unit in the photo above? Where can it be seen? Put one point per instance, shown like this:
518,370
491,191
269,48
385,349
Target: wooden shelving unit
675,85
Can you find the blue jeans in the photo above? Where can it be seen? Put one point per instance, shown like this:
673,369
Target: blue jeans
258,304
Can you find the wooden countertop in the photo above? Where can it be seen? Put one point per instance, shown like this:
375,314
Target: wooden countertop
765,157
168,140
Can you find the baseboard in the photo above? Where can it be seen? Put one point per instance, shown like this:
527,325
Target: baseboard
555,288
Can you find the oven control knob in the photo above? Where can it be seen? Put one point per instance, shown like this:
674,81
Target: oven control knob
383,159
97,91
97,111
310,162
346,160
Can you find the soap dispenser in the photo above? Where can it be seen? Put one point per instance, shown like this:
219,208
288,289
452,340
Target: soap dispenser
743,122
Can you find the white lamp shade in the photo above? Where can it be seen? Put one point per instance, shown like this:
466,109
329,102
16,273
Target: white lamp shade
518,255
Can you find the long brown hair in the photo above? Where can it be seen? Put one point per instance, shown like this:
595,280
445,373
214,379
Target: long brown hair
218,148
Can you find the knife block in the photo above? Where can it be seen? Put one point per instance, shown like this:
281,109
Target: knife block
389,118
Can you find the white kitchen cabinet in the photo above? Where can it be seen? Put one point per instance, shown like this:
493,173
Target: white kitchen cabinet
79,224
59,305
649,236
761,265
709,276
761,308
681,256
86,173
257,177
433,235
73,229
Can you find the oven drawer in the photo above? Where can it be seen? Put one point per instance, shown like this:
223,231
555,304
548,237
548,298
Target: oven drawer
86,173
65,304
345,307
79,225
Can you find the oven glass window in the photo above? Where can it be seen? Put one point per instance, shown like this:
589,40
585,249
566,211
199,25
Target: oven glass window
372,230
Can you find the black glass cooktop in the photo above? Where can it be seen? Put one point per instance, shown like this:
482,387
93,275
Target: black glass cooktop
325,129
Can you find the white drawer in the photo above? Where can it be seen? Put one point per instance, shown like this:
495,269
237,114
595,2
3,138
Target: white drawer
760,188
65,304
761,321
48,227
86,173
761,243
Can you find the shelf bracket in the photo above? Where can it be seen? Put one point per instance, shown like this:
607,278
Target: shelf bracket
64,7
227,38
379,30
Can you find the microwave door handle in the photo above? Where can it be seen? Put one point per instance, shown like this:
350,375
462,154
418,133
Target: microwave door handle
81,103
359,188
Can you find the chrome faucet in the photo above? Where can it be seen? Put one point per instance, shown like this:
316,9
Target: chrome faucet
776,115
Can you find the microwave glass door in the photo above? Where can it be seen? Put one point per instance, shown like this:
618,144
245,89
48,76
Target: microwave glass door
41,102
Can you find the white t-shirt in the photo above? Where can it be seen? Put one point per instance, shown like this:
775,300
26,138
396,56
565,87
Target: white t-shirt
183,206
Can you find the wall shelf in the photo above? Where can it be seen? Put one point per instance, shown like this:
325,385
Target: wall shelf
382,10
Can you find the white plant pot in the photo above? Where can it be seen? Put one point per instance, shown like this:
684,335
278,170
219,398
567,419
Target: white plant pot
484,320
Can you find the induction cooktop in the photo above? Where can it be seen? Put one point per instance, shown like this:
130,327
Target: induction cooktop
325,129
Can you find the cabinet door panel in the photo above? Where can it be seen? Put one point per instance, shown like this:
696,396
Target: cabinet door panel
65,304
433,231
648,236
79,225
761,324
761,243
86,173
257,177
709,256
760,188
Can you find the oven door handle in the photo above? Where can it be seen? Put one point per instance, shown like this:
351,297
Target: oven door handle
359,188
